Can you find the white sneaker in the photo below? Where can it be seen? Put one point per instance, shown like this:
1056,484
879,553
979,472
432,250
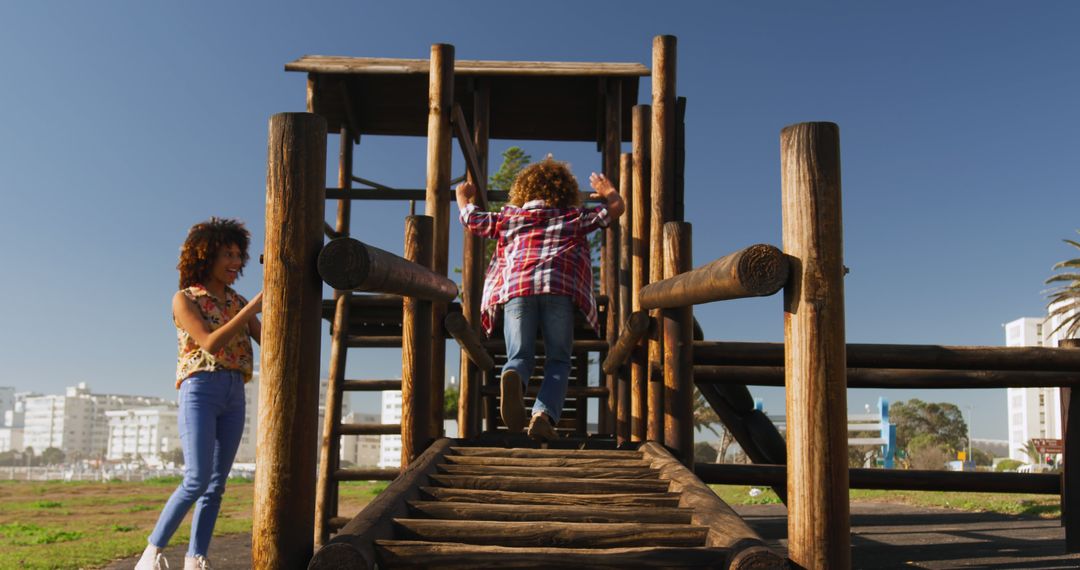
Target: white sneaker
197,563
152,559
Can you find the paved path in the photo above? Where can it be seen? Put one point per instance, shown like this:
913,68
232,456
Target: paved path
883,536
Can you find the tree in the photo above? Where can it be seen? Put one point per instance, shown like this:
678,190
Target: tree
52,456
1064,299
942,422
514,159
176,456
450,403
704,452
926,451
1033,454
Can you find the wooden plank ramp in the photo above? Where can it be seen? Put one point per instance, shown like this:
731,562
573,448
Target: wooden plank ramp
466,506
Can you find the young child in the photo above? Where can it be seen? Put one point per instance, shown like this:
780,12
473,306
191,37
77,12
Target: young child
540,271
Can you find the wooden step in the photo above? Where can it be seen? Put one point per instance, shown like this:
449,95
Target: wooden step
550,534
544,461
550,484
553,513
541,453
416,554
568,472
659,500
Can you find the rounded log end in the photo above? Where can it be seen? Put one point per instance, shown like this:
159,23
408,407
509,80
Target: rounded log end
455,322
344,264
762,269
757,558
339,555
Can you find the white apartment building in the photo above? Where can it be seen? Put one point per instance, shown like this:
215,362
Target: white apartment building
390,445
7,399
246,452
1032,412
361,450
75,422
147,433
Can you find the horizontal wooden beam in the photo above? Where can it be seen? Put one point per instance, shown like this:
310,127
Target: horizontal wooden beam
470,340
406,194
551,534
366,474
550,484
895,377
420,554
525,452
757,271
657,500
347,264
370,385
571,391
896,479
635,329
554,513
901,356
498,345
369,429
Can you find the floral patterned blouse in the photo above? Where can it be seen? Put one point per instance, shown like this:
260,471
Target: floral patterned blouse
236,355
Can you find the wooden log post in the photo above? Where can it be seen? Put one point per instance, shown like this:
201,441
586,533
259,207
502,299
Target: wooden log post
678,344
416,349
612,240
814,348
437,206
1070,459
347,264
472,271
619,401
663,196
639,260
326,496
283,519
472,346
635,329
756,271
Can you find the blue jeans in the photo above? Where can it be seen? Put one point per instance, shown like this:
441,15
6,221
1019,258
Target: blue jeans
211,422
554,316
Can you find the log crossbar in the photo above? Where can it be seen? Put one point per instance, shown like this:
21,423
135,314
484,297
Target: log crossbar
470,341
895,377
347,264
756,271
635,329
916,356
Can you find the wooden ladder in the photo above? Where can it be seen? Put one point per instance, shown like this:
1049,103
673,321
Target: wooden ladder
459,506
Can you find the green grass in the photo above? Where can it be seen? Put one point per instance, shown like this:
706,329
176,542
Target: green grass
1043,506
87,525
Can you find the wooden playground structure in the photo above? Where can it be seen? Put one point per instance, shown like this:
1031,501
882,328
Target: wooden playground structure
628,494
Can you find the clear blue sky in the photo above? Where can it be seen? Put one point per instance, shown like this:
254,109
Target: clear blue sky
125,122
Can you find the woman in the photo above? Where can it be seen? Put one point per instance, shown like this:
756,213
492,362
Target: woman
214,327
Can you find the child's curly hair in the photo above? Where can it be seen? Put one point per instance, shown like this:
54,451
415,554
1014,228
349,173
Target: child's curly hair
548,180
201,247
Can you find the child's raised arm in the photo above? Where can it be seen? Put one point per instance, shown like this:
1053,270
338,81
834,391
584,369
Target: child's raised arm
477,221
606,191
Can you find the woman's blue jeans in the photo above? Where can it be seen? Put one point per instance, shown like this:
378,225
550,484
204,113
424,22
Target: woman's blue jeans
554,316
211,418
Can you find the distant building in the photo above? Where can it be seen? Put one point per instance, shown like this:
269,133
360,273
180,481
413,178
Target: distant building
1032,412
390,445
146,433
7,399
361,450
75,422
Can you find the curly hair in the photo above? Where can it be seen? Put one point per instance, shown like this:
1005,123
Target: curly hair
201,247
548,180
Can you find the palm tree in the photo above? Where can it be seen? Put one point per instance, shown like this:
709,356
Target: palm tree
1032,453
1064,299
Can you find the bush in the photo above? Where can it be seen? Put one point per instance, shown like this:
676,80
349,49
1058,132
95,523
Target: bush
1008,465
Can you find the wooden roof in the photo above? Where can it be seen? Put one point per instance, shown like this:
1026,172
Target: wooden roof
529,100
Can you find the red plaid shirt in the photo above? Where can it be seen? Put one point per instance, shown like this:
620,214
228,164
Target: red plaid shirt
540,251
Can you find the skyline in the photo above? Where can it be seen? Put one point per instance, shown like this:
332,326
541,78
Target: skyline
126,123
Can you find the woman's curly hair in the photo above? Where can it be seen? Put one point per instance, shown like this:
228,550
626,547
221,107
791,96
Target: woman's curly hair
201,247
548,180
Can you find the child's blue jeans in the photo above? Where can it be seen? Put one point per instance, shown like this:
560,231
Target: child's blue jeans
554,316
211,418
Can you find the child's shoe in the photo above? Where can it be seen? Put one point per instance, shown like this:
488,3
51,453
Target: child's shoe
152,559
511,404
540,429
196,563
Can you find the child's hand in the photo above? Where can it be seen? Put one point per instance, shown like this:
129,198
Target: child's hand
465,191
602,185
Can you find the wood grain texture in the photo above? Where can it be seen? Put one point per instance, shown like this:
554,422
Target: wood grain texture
348,264
410,554
634,329
416,348
756,271
678,332
575,472
814,355
550,484
283,518
639,257
469,340
895,377
551,534
552,513
652,500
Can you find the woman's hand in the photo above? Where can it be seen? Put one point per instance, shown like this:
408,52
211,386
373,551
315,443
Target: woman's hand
256,304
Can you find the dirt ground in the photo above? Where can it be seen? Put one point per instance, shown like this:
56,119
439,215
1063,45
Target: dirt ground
883,536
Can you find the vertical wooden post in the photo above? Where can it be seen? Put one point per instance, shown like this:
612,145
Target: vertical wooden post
639,260
437,205
326,497
814,348
678,350
472,272
283,520
619,398
416,348
1070,462
662,193
612,146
